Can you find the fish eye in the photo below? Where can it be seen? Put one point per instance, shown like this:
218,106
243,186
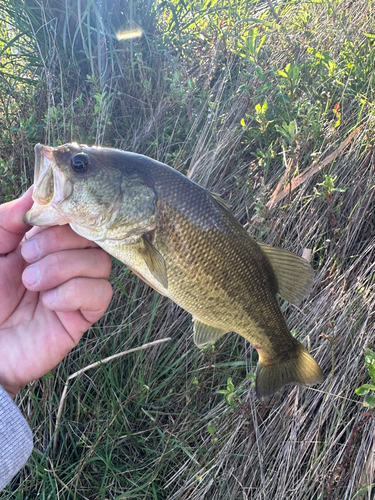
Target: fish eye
80,162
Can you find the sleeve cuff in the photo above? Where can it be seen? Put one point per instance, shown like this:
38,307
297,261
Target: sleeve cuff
16,440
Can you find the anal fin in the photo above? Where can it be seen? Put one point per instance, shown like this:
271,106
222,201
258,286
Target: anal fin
205,333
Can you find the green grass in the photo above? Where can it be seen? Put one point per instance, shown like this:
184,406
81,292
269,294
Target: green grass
232,95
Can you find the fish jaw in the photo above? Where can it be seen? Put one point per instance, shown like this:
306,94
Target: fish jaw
45,216
51,187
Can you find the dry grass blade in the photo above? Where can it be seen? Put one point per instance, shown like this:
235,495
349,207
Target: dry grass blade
93,365
288,167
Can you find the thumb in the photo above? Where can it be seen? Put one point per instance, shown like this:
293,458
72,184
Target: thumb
12,226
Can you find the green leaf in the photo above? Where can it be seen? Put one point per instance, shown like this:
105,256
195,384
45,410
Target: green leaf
211,429
370,401
282,73
260,74
230,385
362,491
370,363
365,389
262,40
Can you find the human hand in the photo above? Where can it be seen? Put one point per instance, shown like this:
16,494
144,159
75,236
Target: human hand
48,305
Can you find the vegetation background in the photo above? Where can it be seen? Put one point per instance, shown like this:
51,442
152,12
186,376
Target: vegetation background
272,106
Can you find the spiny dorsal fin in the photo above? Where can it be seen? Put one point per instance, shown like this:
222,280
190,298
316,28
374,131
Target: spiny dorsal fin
294,275
204,333
224,204
299,369
155,261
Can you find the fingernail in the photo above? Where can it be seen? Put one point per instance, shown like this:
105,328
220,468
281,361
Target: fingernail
30,250
49,298
31,275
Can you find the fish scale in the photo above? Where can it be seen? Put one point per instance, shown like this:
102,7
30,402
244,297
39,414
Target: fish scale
183,241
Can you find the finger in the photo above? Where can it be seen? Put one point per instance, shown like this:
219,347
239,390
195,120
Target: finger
87,297
12,226
33,231
60,267
52,239
11,286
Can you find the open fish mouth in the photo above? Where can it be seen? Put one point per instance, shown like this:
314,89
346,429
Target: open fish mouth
51,187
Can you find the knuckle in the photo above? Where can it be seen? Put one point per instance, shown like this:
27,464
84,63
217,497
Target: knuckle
107,263
103,262
51,266
48,240
101,293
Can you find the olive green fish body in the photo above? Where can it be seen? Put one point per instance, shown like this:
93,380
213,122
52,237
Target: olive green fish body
183,241
228,282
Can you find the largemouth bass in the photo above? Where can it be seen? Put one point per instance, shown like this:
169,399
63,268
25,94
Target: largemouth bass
183,241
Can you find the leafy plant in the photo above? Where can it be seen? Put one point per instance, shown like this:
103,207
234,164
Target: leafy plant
290,77
248,47
212,430
231,395
328,188
368,389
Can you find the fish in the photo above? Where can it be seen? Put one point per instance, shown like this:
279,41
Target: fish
183,241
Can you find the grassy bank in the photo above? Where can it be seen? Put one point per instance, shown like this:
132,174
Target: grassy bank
272,109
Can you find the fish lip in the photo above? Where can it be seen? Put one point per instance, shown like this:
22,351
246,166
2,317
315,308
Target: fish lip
45,165
40,152
51,188
44,162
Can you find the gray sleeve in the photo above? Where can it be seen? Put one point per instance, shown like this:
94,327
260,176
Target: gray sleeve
16,440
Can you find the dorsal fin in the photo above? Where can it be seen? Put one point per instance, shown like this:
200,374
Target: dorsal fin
224,204
294,275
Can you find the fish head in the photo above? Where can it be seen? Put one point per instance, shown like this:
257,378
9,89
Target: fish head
91,189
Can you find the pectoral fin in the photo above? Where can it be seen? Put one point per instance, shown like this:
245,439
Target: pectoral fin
294,275
155,262
204,333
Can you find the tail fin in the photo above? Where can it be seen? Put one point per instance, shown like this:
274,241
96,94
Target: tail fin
299,369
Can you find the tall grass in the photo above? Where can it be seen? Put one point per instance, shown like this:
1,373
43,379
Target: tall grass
235,98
